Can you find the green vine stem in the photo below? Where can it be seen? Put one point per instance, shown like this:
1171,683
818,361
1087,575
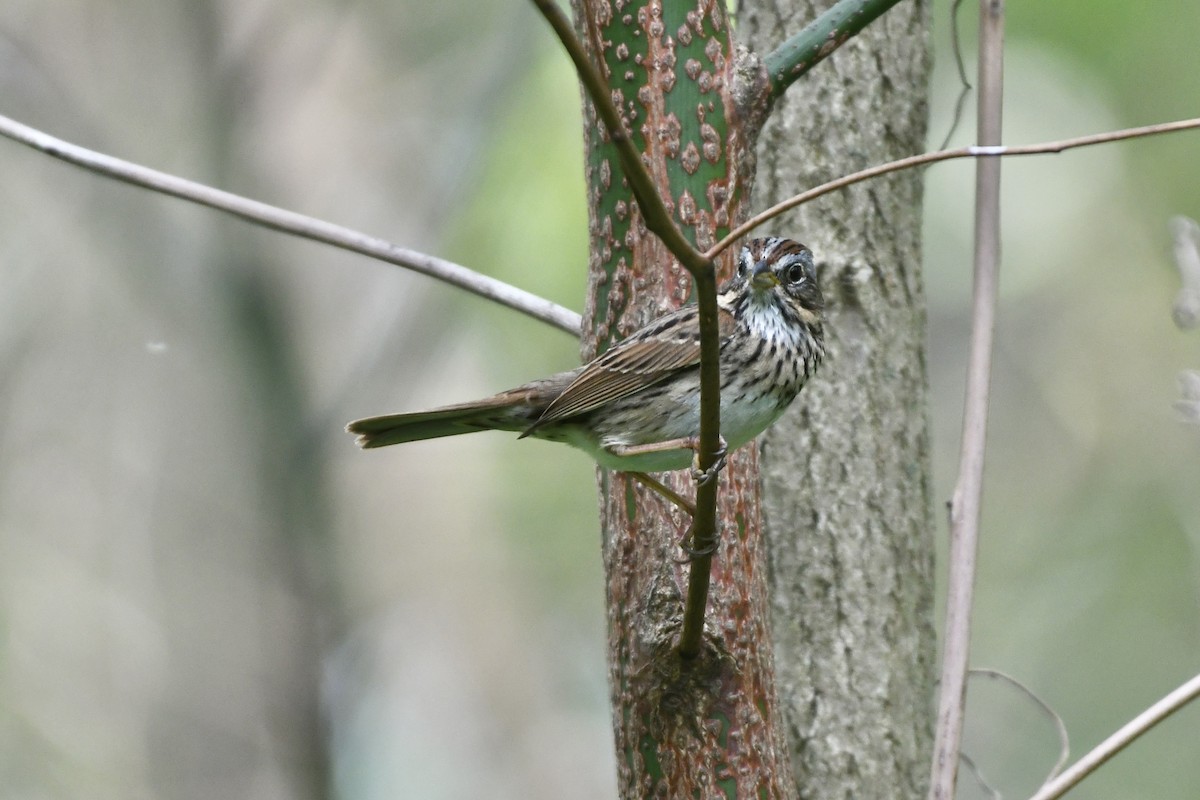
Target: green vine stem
803,51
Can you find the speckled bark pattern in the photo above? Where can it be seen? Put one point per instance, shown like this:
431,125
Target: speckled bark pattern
846,472
710,728
669,65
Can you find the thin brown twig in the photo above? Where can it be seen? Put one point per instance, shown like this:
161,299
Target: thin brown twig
964,83
703,271
654,212
924,159
664,491
1123,737
295,224
968,493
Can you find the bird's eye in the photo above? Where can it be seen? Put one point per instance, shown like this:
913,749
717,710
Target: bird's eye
741,268
795,273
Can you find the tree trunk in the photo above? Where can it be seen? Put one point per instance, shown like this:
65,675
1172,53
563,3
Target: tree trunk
858,659
846,473
683,727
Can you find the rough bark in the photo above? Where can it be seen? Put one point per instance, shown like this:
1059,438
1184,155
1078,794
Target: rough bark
850,524
846,473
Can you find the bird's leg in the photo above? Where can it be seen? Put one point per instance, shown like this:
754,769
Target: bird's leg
664,491
701,476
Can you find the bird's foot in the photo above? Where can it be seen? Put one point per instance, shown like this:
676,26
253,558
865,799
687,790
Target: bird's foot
704,476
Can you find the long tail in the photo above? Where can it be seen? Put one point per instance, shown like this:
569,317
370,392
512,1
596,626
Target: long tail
514,410
490,414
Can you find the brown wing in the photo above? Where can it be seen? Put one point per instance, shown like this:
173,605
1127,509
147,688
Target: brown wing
662,348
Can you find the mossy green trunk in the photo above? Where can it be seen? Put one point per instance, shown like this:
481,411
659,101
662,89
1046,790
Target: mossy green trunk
710,725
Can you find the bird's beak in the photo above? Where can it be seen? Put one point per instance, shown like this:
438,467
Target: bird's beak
763,278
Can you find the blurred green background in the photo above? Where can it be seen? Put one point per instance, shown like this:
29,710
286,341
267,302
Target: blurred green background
198,571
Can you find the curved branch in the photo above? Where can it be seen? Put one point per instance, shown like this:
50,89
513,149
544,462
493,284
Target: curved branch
974,151
654,212
295,224
1060,727
704,521
703,271
800,53
1114,744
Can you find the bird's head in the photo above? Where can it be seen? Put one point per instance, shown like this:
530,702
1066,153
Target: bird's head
782,269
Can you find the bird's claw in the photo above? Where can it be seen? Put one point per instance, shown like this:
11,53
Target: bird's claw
704,476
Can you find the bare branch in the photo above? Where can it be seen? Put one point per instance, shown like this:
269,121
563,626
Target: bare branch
654,212
964,83
295,224
924,159
1120,740
968,493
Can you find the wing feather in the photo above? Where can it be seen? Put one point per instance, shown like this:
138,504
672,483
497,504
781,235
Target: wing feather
654,353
